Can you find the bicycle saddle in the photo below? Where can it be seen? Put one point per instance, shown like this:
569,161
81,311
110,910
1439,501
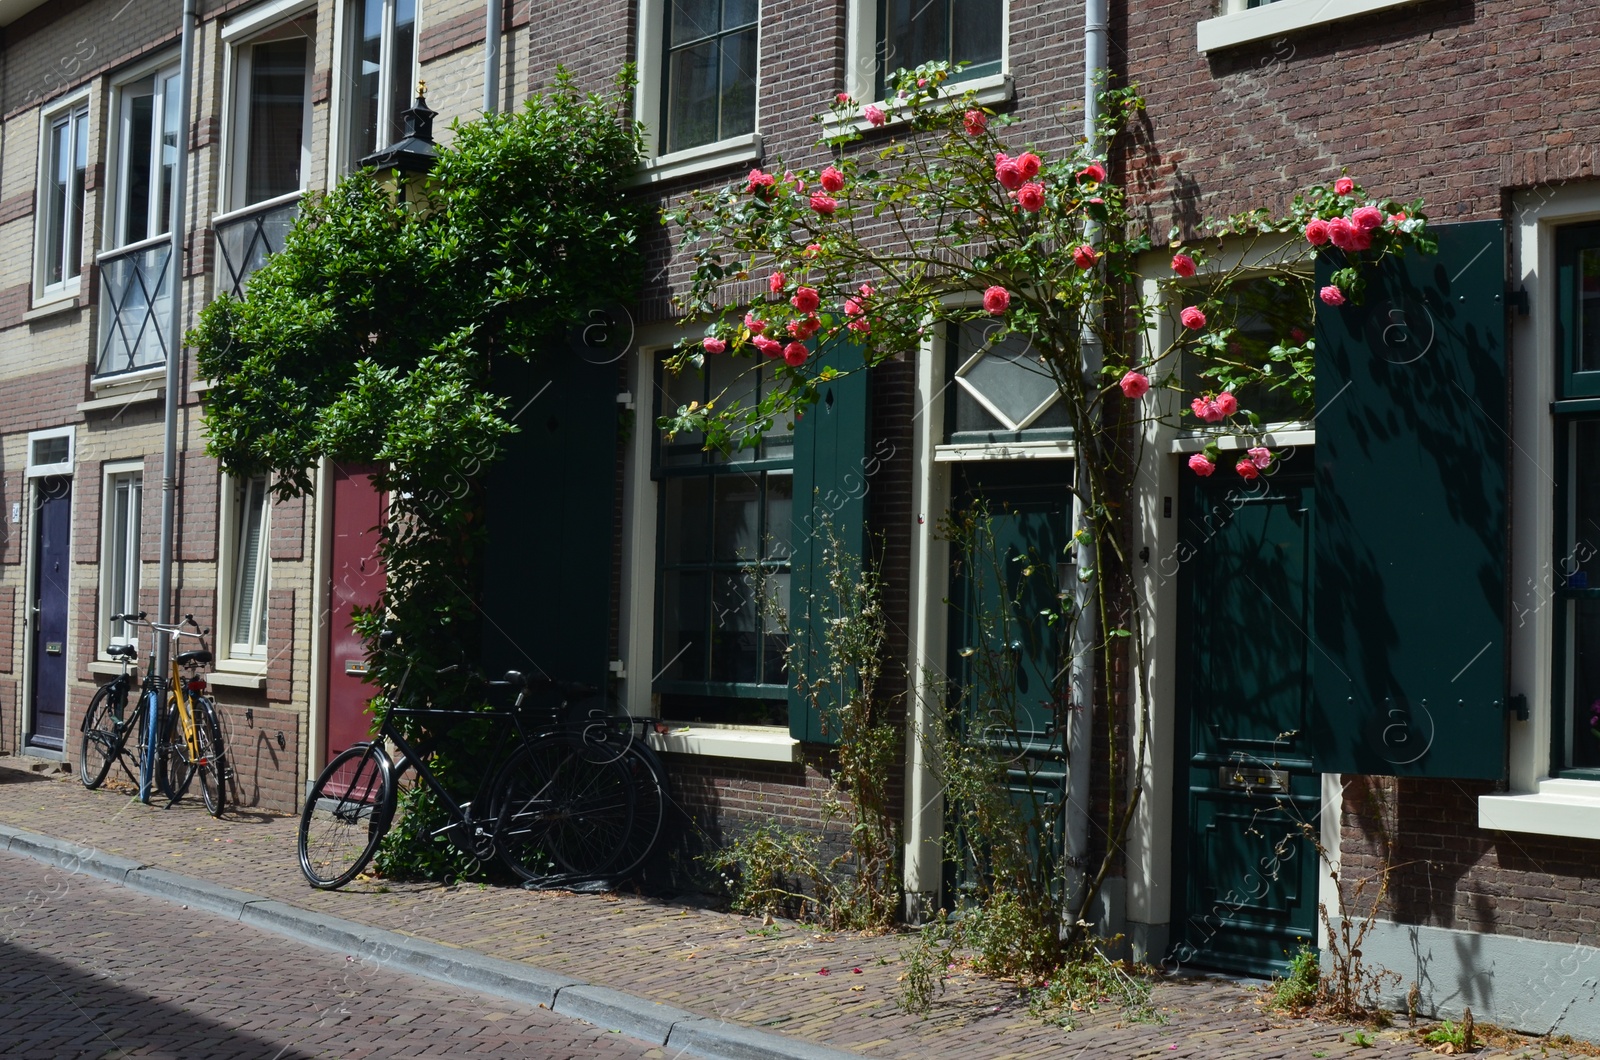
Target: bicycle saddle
197,656
122,651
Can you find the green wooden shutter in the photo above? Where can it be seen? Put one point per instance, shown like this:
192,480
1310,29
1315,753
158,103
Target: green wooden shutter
1410,571
830,489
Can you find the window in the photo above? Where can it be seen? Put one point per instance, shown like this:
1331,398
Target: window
1243,21
1001,391
380,70
710,72
913,32
65,159
723,562
270,142
1266,312
119,555
146,156
246,609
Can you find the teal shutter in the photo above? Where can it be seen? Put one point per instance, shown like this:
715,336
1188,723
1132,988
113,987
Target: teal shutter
1409,672
830,489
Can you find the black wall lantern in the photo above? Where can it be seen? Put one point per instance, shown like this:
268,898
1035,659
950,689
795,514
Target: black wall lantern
411,157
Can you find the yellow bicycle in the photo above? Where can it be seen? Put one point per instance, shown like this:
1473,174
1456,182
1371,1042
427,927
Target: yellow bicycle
192,744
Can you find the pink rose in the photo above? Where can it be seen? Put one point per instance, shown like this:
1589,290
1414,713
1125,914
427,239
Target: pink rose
804,328
1247,470
775,282
795,354
1008,173
768,347
832,179
1317,232
875,114
866,290
996,300
852,307
1297,334
843,97
790,178
1205,409
806,299
1344,186
1368,217
1183,265
1396,218
1360,238
859,325
760,183
823,204
1260,456
1226,403
975,121
1201,465
1094,171
1135,384
1192,318
813,249
1031,197
1341,233
1030,164
713,344
1085,256
756,326
1331,295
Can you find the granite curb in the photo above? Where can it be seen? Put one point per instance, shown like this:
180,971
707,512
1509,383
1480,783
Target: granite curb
684,1032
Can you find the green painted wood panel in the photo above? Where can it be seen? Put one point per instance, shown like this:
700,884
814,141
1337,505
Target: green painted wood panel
1411,537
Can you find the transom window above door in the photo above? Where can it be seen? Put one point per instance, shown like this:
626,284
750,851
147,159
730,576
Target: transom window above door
1000,388
710,91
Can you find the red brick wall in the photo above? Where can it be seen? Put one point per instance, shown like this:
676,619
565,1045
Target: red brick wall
282,624
199,508
466,30
288,529
87,487
8,628
44,399
12,492
266,772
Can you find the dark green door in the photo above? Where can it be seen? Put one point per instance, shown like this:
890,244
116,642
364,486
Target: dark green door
1007,665
1247,874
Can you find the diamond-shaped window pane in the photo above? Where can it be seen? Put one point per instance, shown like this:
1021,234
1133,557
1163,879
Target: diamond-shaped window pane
1009,379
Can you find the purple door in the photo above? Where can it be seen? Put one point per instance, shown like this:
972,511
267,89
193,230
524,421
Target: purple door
52,523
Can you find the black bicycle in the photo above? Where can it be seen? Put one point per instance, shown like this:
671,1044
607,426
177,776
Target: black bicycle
569,802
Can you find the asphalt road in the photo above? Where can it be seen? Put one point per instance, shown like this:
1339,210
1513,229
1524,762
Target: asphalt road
89,969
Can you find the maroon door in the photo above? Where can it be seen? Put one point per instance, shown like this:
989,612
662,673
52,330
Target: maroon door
52,523
356,581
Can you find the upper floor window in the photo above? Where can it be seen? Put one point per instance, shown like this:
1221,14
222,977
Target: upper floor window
913,32
270,145
380,71
65,162
247,565
146,157
710,91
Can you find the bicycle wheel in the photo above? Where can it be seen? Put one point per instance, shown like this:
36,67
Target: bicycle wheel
212,765
562,806
174,770
650,800
347,813
105,730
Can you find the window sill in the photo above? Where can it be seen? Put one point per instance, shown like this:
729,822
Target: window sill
758,745
223,679
1276,19
1567,808
107,668
1004,451
724,154
991,90
56,305
1286,435
123,400
109,385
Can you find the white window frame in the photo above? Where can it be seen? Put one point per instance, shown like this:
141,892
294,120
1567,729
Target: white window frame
59,467
240,36
68,286
1238,24
650,61
249,655
345,28
113,476
1537,802
115,185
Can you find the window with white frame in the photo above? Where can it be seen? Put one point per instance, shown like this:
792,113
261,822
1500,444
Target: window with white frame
1244,21
269,147
380,71
913,32
246,568
64,162
119,550
709,93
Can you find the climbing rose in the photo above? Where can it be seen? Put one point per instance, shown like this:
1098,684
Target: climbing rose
775,282
756,326
1317,232
975,121
1396,218
1344,186
1200,465
859,324
1031,197
1085,256
1247,470
1341,233
713,344
996,300
1226,403
804,328
1183,265
794,354
1360,238
823,204
806,299
1135,384
1205,409
1093,171
1368,217
875,114
760,183
1331,295
1260,456
769,347
1030,165
832,179
813,249
852,307
843,97
1007,172
1192,318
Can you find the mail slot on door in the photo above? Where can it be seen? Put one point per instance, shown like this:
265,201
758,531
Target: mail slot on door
355,667
52,647
1253,779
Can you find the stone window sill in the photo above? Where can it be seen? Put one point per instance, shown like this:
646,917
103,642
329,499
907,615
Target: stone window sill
224,679
758,745
991,91
1287,435
1567,808
1277,19
724,154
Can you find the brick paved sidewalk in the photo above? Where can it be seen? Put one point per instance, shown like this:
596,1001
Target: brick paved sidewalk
714,964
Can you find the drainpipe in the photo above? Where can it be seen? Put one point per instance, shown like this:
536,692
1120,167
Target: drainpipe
491,59
1080,721
169,455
